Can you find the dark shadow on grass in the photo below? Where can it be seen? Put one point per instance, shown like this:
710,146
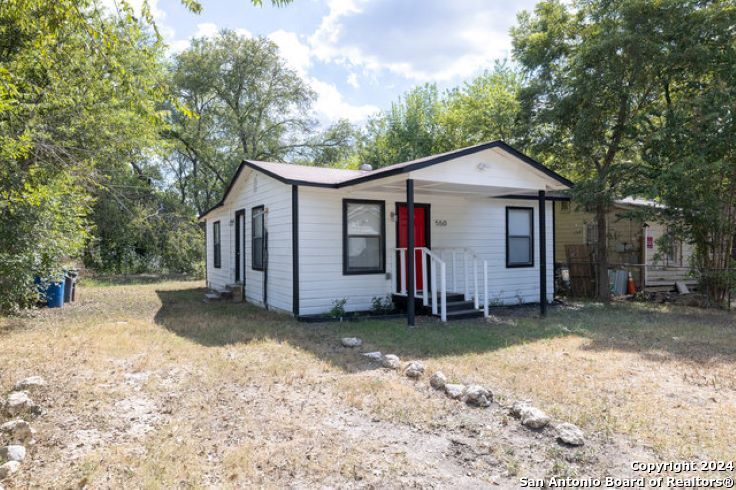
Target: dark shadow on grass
223,323
630,328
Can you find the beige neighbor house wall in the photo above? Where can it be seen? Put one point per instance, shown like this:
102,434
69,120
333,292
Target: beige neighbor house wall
626,243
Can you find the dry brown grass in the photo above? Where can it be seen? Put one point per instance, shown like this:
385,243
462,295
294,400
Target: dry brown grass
151,388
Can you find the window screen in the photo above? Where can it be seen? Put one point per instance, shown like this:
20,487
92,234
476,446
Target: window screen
257,237
519,237
216,245
363,237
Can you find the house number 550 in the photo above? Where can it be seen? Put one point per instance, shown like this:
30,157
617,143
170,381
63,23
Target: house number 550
440,222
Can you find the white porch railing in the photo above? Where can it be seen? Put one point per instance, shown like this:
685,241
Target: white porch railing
435,260
468,259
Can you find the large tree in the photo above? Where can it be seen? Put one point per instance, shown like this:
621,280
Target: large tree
424,121
483,109
77,88
591,77
690,137
238,99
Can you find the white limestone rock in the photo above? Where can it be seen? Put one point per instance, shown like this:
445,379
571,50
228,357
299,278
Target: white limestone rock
374,356
391,361
32,383
352,342
414,369
17,403
454,391
534,418
8,469
13,453
438,381
570,434
17,431
478,396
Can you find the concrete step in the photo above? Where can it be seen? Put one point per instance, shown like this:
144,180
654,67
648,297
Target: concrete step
463,314
459,305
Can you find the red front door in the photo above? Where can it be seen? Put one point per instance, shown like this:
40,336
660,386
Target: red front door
421,213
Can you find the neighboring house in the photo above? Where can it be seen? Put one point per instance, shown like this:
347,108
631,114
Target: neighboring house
301,237
632,243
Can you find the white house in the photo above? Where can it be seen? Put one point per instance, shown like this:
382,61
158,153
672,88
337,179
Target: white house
298,238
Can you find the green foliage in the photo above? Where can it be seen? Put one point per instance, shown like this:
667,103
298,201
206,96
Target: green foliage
237,99
689,150
382,305
483,109
591,69
78,89
407,131
338,308
424,122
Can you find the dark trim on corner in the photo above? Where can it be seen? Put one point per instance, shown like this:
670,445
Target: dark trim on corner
410,255
382,269
295,250
554,235
542,254
531,245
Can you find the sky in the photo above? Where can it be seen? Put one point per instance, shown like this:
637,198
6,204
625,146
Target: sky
360,55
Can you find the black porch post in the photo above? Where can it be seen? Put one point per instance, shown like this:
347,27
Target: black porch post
542,253
410,256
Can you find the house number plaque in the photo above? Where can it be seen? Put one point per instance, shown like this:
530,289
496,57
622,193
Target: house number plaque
440,222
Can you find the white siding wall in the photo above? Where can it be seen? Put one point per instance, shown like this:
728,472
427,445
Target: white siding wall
476,223
255,189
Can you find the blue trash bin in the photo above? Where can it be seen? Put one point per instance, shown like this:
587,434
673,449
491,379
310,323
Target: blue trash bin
55,294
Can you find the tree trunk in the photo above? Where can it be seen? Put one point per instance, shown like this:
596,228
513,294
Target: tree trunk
601,217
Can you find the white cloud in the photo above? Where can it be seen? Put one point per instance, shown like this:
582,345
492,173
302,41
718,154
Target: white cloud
331,105
297,55
353,80
206,29
434,40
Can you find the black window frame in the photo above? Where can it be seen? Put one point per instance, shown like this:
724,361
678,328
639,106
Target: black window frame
253,238
516,265
217,244
382,241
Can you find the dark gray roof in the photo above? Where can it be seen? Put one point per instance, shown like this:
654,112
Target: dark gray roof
308,173
314,176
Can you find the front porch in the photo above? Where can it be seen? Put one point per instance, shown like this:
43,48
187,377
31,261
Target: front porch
463,273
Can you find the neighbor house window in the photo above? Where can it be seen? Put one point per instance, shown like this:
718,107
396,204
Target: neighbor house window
519,237
216,245
257,241
364,233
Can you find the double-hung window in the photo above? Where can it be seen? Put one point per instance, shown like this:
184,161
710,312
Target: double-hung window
216,245
257,237
364,237
519,237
